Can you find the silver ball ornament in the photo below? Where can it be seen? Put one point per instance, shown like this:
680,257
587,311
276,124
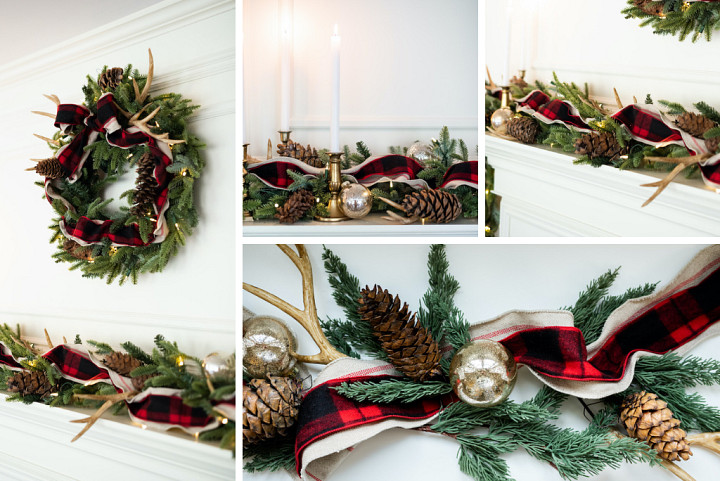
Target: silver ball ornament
499,119
421,152
355,200
483,373
268,347
219,365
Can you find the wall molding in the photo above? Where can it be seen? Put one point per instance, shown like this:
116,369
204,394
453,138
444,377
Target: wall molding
384,123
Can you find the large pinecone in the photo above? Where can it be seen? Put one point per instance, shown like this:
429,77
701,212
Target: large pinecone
270,407
598,144
648,419
146,186
295,206
410,347
525,129
694,124
649,6
307,154
30,383
437,205
110,78
122,363
51,168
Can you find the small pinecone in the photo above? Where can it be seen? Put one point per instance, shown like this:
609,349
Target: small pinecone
648,419
30,383
76,250
270,408
694,124
525,129
295,206
437,205
409,345
138,382
598,144
712,144
146,186
122,363
519,81
110,79
51,168
649,6
297,151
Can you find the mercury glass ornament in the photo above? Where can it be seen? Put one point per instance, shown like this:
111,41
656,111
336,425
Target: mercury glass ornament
421,152
355,200
219,365
268,347
499,119
483,373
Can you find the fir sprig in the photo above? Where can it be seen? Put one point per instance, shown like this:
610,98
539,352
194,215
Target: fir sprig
392,390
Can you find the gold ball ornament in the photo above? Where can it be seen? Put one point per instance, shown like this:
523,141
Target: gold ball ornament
499,119
355,200
219,366
268,347
483,373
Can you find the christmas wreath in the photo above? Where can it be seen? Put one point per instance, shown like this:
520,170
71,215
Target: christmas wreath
677,17
96,143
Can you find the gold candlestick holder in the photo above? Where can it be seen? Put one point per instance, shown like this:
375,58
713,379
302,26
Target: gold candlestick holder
335,213
284,136
499,118
245,156
522,74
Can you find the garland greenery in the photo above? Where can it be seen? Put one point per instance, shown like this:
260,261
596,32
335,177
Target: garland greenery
676,17
261,201
167,364
107,163
531,424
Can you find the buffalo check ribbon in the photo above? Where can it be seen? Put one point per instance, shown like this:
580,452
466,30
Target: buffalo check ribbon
539,105
675,318
160,408
462,173
73,157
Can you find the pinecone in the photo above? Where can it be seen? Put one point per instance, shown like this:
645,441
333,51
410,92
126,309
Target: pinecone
648,419
437,205
409,345
694,124
138,382
712,144
270,408
525,129
110,78
295,206
297,151
519,81
30,383
598,144
146,186
50,168
76,250
121,363
649,6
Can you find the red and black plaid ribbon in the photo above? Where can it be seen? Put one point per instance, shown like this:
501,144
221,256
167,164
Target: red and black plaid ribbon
534,100
645,126
161,409
275,173
392,166
324,412
560,110
462,172
560,352
75,365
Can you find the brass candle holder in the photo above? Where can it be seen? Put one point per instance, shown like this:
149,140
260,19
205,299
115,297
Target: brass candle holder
335,213
522,73
499,118
245,156
284,136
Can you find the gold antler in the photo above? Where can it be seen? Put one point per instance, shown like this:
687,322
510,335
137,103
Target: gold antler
617,99
142,125
47,139
109,401
140,97
307,317
491,84
682,162
709,441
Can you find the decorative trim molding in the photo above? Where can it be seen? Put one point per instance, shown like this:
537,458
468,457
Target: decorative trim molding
384,123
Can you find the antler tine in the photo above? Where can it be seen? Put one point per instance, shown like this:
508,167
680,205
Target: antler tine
617,99
47,139
45,114
140,97
491,84
53,98
709,441
307,317
682,162
142,125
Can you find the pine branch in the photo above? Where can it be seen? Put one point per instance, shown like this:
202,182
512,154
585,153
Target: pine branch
674,108
272,456
478,457
392,390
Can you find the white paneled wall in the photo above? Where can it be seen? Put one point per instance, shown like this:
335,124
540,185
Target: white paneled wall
407,68
592,42
193,300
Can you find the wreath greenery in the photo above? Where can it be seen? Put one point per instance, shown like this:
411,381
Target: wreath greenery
107,162
677,17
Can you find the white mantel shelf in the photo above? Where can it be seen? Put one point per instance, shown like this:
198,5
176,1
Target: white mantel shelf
35,446
371,225
545,194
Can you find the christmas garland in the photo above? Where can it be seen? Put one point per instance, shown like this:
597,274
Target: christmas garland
677,17
98,142
417,381
162,390
269,187
639,135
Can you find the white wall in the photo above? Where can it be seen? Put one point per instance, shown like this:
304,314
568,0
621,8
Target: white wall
592,42
192,301
494,279
407,68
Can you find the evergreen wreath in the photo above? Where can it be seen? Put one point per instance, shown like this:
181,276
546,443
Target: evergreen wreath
677,17
98,142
